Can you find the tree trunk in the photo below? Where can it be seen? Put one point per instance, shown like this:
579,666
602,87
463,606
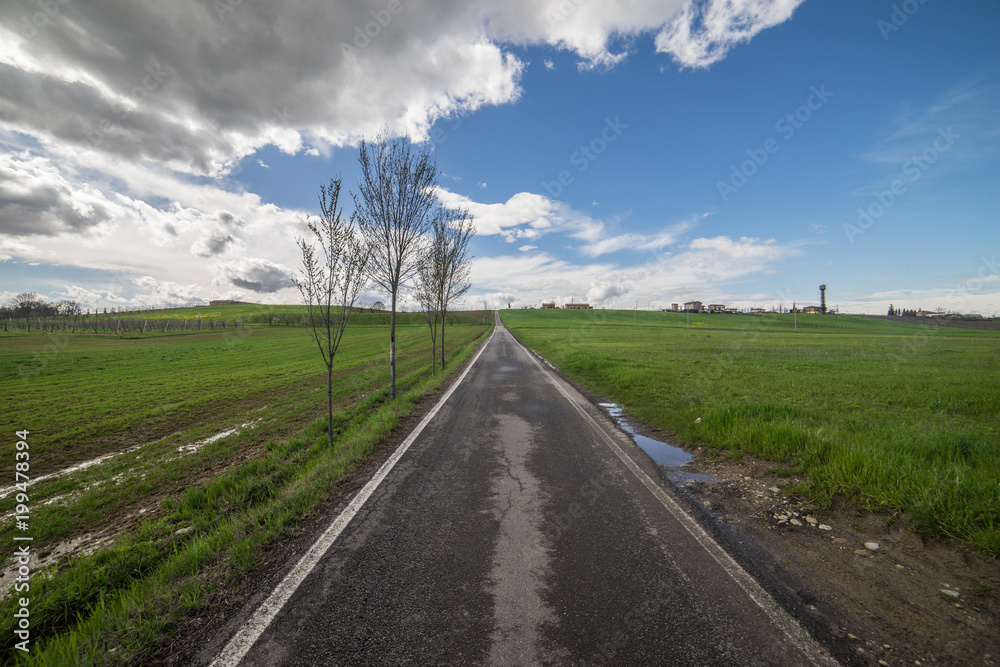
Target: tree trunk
392,350
329,403
443,317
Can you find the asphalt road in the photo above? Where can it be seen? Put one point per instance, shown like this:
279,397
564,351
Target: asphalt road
520,527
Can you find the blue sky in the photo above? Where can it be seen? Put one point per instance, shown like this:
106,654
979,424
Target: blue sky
650,153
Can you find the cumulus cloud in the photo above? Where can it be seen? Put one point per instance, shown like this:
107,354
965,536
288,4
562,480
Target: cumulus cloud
37,199
197,88
525,216
539,276
220,237
255,274
120,105
167,292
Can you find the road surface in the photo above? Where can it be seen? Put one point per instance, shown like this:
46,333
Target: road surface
519,527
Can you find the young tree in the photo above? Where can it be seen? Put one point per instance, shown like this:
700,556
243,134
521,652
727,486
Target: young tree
397,191
443,269
427,294
452,232
330,284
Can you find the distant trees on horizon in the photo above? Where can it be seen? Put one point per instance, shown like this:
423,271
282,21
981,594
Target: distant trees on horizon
902,312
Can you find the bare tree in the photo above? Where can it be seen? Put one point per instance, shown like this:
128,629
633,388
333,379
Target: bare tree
330,284
397,191
427,294
26,302
449,248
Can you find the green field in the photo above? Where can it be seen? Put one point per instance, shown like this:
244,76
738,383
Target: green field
183,511
893,417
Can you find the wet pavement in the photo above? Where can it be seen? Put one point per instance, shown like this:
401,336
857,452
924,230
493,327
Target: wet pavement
520,527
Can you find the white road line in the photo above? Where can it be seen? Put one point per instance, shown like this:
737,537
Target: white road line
244,639
792,629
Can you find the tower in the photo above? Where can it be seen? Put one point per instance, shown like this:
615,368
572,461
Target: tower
822,299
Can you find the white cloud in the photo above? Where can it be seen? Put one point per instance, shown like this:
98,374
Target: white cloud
525,216
743,248
197,89
109,113
254,274
702,33
704,265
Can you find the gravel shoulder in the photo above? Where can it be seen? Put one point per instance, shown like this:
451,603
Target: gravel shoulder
901,600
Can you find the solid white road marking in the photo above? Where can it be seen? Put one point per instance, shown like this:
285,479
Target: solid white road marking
792,629
244,639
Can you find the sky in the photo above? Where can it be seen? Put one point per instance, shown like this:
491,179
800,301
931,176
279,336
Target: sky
625,154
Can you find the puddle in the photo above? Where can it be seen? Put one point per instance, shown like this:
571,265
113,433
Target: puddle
670,457
183,449
195,446
44,566
72,469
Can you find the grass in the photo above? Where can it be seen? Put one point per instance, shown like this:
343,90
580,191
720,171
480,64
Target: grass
893,416
182,524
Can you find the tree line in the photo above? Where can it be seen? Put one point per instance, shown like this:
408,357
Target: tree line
399,235
901,312
27,305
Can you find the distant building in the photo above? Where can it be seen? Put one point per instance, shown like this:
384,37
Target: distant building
734,311
675,307
757,310
550,304
694,307
926,313
578,306
716,308
812,310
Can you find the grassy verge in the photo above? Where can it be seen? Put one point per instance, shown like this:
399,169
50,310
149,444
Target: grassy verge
894,416
216,511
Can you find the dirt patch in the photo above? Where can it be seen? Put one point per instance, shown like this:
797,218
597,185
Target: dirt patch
902,599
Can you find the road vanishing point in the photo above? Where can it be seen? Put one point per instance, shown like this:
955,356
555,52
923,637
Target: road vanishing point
516,525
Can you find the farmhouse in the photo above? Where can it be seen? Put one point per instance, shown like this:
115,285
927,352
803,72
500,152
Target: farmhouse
716,308
578,306
550,304
675,307
694,307
812,310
